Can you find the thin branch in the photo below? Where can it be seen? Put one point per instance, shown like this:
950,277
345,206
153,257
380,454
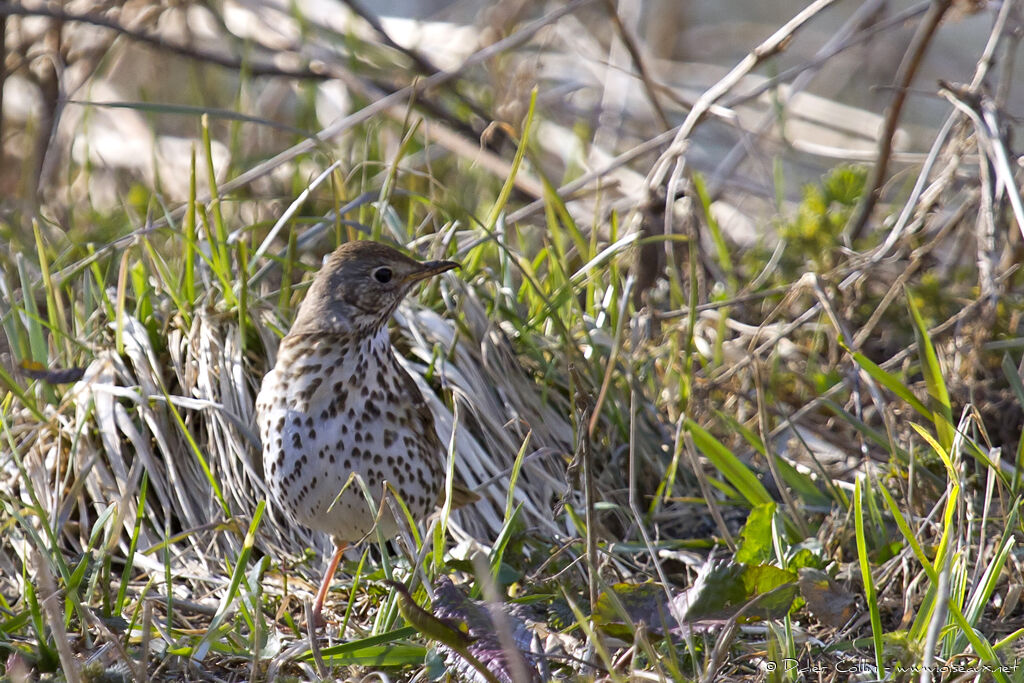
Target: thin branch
846,36
638,62
423,64
10,9
335,128
984,115
667,172
828,51
904,77
773,45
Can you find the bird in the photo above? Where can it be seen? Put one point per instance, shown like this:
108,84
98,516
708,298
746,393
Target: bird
337,403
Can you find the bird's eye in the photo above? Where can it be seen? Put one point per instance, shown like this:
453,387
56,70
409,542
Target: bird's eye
382,275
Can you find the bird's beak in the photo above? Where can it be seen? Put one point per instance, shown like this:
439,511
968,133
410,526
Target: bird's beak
430,269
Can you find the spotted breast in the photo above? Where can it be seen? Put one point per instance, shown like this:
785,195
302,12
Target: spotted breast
334,406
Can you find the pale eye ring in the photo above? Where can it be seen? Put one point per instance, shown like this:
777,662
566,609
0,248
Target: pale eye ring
382,275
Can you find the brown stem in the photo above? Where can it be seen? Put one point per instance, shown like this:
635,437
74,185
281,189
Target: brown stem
638,61
48,81
904,77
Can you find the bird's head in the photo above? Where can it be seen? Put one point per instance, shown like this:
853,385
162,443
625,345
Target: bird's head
359,287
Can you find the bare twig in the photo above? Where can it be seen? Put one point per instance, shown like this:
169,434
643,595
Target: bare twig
423,64
1014,31
773,45
335,128
904,77
638,61
838,42
911,206
831,49
982,111
399,96
10,9
675,155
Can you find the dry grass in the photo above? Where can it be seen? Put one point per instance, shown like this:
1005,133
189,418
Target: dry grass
703,454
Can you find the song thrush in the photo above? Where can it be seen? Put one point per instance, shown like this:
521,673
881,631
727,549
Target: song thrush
337,402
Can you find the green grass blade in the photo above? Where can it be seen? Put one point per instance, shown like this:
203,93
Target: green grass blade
517,160
517,466
1017,386
738,474
870,592
890,382
942,414
140,514
237,575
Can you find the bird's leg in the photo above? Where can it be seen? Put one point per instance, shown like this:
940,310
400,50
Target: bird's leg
321,595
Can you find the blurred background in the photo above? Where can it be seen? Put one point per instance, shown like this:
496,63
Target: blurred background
98,96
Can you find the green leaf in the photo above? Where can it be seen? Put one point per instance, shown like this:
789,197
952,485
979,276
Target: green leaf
622,606
756,538
726,590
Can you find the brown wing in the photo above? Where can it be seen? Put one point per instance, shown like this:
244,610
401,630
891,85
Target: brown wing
461,495
425,418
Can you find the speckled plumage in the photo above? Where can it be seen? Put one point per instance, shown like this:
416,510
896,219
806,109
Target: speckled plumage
334,405
337,402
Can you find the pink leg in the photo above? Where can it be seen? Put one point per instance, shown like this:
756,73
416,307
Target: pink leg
321,594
